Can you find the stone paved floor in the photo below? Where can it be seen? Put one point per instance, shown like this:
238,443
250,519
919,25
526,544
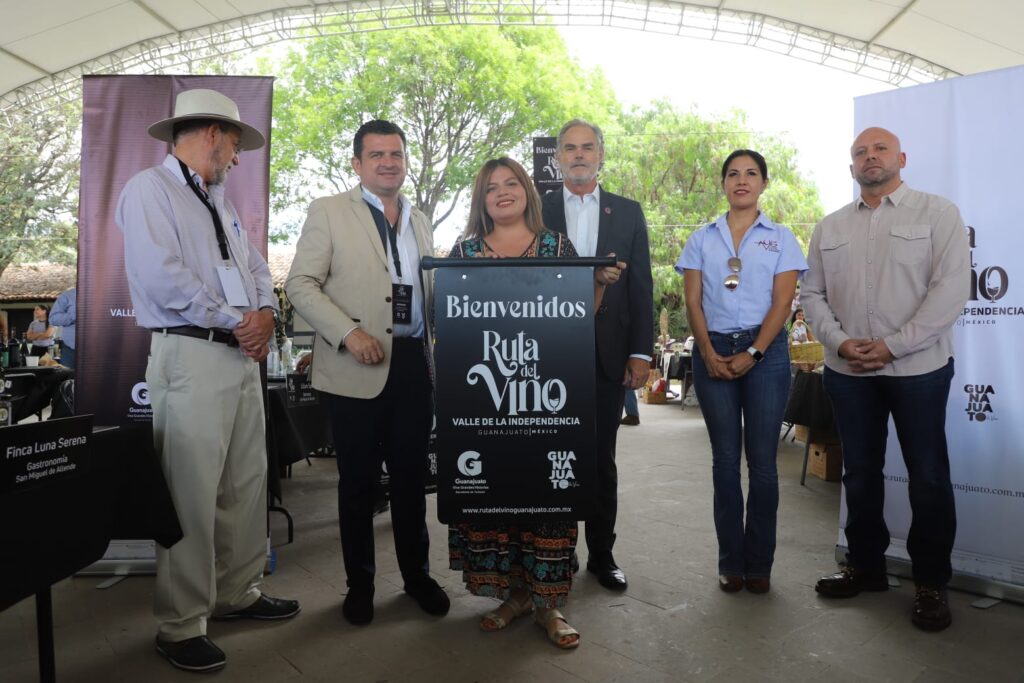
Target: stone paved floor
673,624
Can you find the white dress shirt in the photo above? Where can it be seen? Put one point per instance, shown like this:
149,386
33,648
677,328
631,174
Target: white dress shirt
582,216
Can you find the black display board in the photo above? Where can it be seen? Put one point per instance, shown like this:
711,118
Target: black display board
515,366
546,175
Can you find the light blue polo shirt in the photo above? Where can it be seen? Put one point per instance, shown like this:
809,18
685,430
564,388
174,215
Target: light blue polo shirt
766,250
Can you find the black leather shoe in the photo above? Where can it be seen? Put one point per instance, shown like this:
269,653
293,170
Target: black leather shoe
430,596
194,654
850,582
630,420
358,606
730,583
931,609
265,608
608,574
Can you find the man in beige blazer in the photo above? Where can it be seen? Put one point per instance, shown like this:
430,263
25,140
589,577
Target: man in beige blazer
356,279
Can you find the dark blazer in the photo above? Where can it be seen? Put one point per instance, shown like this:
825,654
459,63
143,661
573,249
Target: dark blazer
624,324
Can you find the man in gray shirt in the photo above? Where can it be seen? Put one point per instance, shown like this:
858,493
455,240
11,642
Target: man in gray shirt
889,275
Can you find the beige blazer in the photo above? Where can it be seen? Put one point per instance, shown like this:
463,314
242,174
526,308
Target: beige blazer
340,279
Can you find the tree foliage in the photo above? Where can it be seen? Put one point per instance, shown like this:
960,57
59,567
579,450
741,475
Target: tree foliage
461,94
39,187
670,161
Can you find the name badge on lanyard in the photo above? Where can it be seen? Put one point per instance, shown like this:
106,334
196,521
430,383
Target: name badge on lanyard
401,303
234,289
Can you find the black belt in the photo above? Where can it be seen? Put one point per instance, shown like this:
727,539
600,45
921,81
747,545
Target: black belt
219,336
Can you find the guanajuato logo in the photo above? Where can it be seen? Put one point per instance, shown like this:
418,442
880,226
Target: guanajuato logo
979,402
989,286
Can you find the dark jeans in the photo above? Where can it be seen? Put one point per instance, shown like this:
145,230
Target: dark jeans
630,403
394,426
917,404
745,415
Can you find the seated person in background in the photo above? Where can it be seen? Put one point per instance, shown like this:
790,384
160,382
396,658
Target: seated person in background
799,330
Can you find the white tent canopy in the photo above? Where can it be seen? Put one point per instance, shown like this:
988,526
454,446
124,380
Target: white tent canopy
45,47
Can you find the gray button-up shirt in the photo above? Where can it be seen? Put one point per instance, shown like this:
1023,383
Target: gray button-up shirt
900,273
171,254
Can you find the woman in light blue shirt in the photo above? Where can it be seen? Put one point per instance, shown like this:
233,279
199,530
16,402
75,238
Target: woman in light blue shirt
740,274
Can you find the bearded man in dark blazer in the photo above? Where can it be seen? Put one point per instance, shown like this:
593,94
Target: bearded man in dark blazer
600,223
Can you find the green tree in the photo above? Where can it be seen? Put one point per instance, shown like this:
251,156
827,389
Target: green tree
38,187
670,161
461,94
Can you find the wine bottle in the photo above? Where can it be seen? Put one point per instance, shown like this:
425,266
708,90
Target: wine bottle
13,351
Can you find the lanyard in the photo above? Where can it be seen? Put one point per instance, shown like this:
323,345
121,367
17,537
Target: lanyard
218,227
384,227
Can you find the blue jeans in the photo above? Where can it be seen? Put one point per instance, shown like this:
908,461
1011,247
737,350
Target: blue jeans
918,407
745,415
630,404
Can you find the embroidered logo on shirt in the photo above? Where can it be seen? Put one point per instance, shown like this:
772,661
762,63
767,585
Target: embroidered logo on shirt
769,245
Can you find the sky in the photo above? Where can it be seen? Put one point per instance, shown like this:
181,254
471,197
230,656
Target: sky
808,105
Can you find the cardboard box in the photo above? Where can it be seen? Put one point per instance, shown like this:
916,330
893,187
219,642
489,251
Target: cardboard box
826,461
800,433
654,398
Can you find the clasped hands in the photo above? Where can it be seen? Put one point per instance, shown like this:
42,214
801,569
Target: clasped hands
865,355
254,332
727,367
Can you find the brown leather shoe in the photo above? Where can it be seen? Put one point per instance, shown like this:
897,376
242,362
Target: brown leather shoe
630,420
849,582
729,583
931,609
758,584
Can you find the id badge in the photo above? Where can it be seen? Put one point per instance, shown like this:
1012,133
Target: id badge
401,303
234,290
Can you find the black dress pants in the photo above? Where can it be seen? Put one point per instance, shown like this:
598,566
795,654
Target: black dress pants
600,525
394,426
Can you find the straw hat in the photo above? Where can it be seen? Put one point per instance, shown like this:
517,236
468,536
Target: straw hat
201,103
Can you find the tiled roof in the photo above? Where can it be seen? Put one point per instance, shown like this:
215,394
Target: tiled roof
35,281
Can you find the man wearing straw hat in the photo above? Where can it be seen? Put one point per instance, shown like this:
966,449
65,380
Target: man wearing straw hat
207,296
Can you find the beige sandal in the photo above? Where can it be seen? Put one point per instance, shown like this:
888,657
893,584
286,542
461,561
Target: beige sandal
494,621
564,636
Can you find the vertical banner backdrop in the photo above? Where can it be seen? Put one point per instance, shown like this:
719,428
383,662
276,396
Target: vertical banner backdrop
546,175
957,135
117,111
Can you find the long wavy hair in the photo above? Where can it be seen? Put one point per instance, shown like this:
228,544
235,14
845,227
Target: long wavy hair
480,224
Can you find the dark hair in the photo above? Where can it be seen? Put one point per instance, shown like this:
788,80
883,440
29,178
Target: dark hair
183,128
480,224
756,156
792,318
375,127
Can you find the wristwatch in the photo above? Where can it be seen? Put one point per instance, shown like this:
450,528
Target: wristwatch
273,312
755,354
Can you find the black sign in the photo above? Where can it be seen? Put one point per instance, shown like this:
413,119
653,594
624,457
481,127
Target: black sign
515,390
546,175
41,452
300,390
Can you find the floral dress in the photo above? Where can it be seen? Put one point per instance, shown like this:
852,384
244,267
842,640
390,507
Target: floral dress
495,559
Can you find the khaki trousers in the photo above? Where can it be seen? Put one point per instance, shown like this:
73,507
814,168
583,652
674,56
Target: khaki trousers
208,431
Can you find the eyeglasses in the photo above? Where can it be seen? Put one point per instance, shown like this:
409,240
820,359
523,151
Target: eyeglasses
732,280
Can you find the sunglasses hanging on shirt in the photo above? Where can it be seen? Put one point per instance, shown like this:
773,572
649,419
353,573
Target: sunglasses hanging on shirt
732,280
